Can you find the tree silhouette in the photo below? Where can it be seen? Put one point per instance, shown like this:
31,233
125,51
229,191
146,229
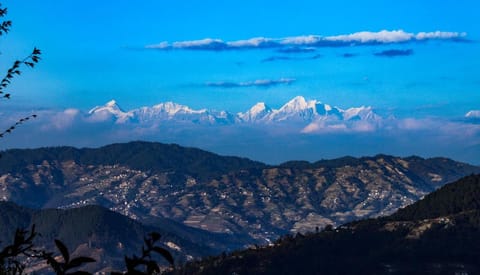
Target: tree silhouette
15,70
145,264
10,262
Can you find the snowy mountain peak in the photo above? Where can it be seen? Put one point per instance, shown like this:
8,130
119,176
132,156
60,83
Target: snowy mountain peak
109,111
112,103
296,104
360,113
257,112
297,110
110,106
172,108
259,108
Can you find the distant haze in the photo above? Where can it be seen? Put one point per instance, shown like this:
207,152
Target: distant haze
301,129
375,78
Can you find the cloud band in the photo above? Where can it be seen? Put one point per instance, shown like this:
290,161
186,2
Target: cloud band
311,41
257,83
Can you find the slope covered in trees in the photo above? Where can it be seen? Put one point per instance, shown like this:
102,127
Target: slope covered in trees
147,156
437,235
253,202
463,196
94,231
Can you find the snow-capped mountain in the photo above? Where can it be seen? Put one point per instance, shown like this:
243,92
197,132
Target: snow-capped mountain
109,111
297,110
168,111
360,113
258,112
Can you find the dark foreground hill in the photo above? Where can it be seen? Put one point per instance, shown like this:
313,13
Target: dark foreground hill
249,201
437,235
103,234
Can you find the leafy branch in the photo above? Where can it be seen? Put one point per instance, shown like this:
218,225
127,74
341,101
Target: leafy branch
29,61
12,262
145,264
64,268
5,25
22,246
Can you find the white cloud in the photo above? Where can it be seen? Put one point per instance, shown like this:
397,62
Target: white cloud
439,35
383,36
256,42
256,83
473,114
59,120
427,136
436,128
412,124
100,116
197,43
343,40
303,40
439,128
332,127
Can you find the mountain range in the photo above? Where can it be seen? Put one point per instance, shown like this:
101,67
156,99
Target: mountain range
296,110
250,201
436,235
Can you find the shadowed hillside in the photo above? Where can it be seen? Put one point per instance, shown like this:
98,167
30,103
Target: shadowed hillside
437,235
246,201
100,233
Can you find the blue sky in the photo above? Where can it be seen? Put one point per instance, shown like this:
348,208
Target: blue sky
94,51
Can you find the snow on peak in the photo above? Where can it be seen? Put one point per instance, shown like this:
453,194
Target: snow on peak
172,108
360,113
109,111
298,103
110,106
259,107
257,112
298,110
112,103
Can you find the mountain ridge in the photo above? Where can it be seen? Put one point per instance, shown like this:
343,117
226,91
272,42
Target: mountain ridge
230,195
297,108
418,239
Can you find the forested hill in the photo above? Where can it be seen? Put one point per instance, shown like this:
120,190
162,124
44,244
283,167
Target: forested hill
254,202
461,197
145,156
437,235
99,233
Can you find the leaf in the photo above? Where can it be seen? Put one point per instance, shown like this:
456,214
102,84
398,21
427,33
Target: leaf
165,254
130,264
79,261
152,267
63,249
155,236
